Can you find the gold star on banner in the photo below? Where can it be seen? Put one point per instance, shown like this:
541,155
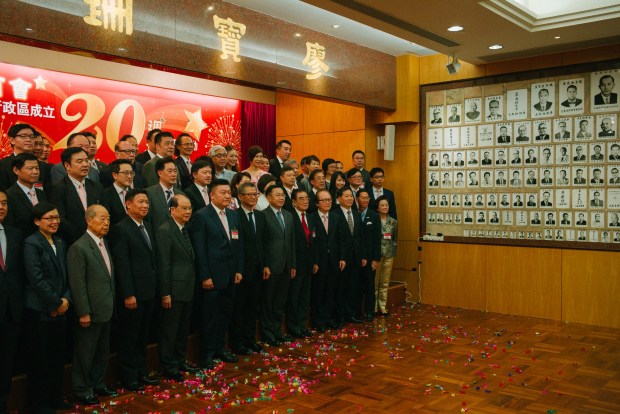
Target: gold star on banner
40,82
195,124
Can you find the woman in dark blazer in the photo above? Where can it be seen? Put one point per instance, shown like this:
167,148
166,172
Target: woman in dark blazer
46,302
338,181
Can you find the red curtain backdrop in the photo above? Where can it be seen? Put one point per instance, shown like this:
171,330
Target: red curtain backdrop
258,127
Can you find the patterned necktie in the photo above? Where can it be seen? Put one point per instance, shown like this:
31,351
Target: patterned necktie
146,236
279,216
350,221
106,258
169,197
188,242
33,197
325,223
304,225
82,193
225,223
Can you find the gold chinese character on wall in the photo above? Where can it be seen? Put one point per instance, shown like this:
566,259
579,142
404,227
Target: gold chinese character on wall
315,58
230,32
108,13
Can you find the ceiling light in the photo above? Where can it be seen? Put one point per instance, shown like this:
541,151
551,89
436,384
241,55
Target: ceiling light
557,37
122,49
335,26
455,28
29,29
297,34
495,47
210,8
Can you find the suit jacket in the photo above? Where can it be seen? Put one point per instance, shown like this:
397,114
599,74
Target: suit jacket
354,252
106,179
598,99
531,160
304,249
330,246
136,262
11,277
218,257
542,137
596,203
389,195
8,178
47,274
112,201
20,209
503,139
177,274
143,157
195,197
58,172
559,135
288,203
279,245
547,106
92,286
184,175
159,212
253,251
579,158
371,235
275,168
579,181
65,197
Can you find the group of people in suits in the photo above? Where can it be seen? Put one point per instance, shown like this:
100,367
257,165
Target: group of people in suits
83,255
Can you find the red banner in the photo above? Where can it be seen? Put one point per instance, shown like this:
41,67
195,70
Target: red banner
59,104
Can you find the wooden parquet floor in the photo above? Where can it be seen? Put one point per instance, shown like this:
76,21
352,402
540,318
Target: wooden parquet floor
422,360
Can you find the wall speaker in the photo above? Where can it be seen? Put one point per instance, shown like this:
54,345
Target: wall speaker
388,150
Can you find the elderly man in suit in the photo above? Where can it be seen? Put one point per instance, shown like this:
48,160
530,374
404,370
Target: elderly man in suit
11,271
160,195
164,145
177,277
114,196
218,246
198,191
74,193
135,255
280,266
23,195
247,293
91,280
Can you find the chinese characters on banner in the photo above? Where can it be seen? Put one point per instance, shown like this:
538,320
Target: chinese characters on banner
58,104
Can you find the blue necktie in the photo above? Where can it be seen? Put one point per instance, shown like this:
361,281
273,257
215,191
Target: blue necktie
279,216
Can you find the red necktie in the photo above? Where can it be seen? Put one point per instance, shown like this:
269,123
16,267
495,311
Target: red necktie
305,227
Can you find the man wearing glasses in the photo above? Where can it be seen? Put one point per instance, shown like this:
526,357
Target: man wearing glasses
125,150
114,196
22,138
218,155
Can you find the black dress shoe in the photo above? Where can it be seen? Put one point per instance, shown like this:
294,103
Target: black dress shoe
306,333
284,338
370,317
273,342
105,392
256,347
189,368
87,400
207,364
228,357
175,376
134,386
242,350
353,319
62,406
148,381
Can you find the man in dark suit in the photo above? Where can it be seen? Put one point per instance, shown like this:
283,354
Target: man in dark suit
550,220
371,239
164,144
579,179
75,140
145,156
74,193
11,271
283,153
377,176
160,194
298,306
135,256
330,250
503,137
183,150
23,195
596,201
218,247
433,162
562,133
571,95
247,293
198,190
21,137
287,179
359,159
543,103
124,150
579,155
90,271
317,182
606,84
542,133
176,288
96,166
348,292
535,220
531,159
114,196
280,266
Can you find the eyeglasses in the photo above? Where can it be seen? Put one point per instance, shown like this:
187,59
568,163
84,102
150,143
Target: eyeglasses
127,151
129,173
220,155
25,136
51,219
249,194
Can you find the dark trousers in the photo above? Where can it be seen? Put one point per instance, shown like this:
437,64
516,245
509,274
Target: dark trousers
273,303
323,293
173,332
245,310
90,358
215,313
348,296
46,343
134,330
298,303
368,289
10,331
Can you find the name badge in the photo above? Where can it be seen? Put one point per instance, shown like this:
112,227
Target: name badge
38,185
387,236
313,234
234,235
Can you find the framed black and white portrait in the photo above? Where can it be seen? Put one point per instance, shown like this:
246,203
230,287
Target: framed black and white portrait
571,96
542,100
473,110
603,91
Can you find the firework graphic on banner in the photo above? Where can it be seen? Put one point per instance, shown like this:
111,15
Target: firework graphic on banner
5,143
226,130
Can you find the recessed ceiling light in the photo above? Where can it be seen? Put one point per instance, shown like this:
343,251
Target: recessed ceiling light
297,34
455,28
495,47
210,8
29,29
557,37
122,49
335,26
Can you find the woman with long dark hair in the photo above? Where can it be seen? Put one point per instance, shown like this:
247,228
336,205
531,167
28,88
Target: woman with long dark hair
338,181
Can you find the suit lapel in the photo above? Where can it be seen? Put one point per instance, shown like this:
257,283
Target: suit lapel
97,253
181,239
211,211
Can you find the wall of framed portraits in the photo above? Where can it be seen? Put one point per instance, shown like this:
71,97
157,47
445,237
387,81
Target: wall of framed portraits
524,159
